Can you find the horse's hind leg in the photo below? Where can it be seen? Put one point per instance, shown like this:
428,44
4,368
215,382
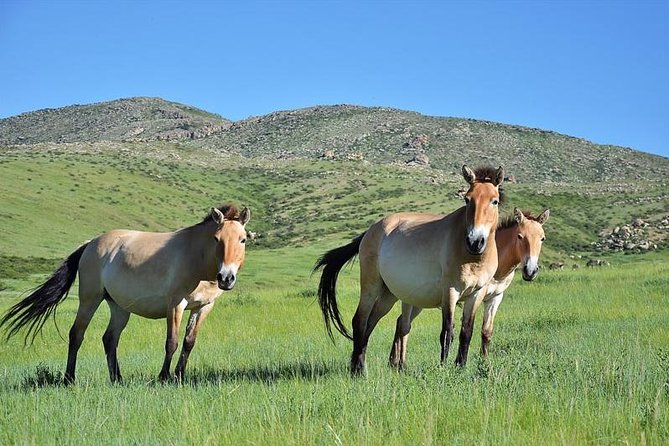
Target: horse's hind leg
381,307
117,321
194,323
89,300
398,353
371,288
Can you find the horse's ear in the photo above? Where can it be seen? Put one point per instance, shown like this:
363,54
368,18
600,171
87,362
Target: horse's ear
217,216
468,174
543,217
499,177
245,216
518,215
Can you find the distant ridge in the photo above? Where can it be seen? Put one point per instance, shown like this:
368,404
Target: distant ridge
343,132
131,119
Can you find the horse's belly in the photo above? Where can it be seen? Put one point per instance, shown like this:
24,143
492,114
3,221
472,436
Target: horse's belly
413,281
145,305
134,293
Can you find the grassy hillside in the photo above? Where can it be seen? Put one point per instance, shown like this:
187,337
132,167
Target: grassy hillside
58,197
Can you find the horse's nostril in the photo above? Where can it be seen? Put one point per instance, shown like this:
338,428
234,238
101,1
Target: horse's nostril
219,277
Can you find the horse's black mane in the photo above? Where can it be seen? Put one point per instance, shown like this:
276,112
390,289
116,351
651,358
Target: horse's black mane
229,210
510,220
485,174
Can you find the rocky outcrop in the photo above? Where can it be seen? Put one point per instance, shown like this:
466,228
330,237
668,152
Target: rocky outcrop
419,159
638,236
593,263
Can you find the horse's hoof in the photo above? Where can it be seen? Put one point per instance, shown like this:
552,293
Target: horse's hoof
164,377
357,370
460,362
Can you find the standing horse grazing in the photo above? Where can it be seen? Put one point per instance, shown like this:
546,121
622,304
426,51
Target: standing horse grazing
519,239
154,275
424,260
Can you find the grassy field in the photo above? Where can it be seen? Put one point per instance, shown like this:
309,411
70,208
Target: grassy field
578,357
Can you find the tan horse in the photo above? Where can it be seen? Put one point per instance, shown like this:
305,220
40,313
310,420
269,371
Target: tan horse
519,239
424,260
154,275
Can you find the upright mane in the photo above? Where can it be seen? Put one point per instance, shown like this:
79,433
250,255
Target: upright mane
485,174
510,221
229,211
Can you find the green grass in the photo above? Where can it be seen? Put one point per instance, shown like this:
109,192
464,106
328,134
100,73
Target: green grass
577,357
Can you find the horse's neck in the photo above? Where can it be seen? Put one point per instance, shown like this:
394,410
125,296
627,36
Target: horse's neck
457,238
508,257
485,263
196,243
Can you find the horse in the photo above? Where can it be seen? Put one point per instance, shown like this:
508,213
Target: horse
424,260
519,239
154,275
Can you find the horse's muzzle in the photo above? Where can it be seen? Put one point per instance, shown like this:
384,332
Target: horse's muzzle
226,282
528,275
475,246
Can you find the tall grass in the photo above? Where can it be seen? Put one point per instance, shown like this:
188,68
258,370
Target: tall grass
577,357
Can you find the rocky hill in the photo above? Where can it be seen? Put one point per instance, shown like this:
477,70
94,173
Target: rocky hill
132,119
343,132
395,136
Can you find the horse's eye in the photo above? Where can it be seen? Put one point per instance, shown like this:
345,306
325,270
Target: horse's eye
520,236
242,241
495,202
467,200
543,238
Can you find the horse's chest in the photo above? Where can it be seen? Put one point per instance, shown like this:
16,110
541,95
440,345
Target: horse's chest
475,276
203,296
498,286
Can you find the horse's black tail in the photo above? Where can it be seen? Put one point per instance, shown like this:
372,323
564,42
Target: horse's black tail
332,262
34,310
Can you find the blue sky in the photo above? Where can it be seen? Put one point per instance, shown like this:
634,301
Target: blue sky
593,69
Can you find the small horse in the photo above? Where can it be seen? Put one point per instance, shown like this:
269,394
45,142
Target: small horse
519,239
154,275
424,260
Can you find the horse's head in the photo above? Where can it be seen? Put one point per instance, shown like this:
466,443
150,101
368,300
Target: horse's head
482,200
529,240
230,238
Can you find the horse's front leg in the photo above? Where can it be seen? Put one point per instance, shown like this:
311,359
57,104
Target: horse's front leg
449,301
194,323
174,315
468,314
490,306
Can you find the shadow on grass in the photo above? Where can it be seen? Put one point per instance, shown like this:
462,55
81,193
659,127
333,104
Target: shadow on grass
270,373
43,377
